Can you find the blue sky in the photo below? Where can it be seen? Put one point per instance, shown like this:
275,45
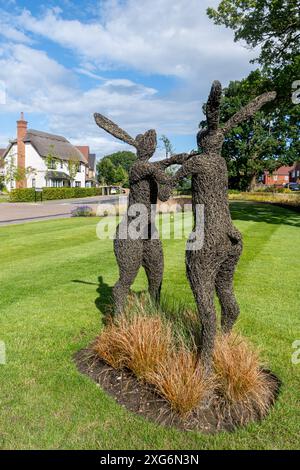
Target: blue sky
144,63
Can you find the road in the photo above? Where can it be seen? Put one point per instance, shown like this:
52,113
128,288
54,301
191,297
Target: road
18,213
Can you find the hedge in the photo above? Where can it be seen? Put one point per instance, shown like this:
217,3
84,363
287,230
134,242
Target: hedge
291,200
28,194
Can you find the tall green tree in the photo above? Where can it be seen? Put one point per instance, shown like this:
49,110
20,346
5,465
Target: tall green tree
269,139
114,168
125,159
106,171
167,145
273,25
120,176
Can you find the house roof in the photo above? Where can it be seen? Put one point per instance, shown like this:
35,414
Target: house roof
57,175
283,170
56,144
44,143
85,150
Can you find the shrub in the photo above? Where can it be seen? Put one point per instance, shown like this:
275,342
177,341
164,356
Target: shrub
28,194
83,211
22,195
290,199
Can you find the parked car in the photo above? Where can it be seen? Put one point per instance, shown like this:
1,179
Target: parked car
293,186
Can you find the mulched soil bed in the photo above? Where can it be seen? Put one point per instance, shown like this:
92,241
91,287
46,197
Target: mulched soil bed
140,398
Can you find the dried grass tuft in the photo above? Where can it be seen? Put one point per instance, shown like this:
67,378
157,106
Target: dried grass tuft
138,343
181,380
160,349
239,374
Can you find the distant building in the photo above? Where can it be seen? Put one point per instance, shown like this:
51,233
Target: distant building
90,176
279,177
44,160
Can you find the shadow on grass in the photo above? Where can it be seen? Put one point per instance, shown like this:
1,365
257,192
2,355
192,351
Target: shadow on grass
258,212
103,301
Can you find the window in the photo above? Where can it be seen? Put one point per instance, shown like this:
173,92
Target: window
286,178
298,173
275,178
33,182
77,184
61,164
79,168
52,165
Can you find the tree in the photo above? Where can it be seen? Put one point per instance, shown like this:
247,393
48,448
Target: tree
114,168
265,142
125,159
274,25
14,173
120,176
73,167
2,183
168,147
106,171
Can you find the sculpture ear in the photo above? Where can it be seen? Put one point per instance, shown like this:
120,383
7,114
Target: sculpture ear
213,106
113,129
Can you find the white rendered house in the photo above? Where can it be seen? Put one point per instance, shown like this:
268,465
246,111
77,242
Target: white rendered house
37,159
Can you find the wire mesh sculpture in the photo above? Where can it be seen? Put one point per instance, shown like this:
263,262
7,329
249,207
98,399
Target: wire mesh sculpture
211,268
137,240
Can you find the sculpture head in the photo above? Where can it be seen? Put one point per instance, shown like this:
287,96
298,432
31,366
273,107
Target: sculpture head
145,144
209,141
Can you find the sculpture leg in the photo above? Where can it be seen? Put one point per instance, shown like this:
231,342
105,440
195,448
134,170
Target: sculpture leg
225,289
202,281
153,262
129,255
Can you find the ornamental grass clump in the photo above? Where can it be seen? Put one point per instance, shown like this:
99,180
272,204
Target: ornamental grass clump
181,380
137,342
240,377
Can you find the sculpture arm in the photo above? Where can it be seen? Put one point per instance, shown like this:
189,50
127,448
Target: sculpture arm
145,170
249,110
192,166
178,159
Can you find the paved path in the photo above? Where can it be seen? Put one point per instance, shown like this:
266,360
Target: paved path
18,213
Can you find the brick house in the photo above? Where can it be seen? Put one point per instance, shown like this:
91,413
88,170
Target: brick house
279,177
90,176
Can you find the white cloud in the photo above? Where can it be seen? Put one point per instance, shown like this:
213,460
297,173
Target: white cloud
41,85
164,37
170,37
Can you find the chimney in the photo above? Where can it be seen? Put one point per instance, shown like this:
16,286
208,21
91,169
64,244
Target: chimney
21,133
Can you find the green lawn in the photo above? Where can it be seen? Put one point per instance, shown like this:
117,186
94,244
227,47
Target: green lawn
50,307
